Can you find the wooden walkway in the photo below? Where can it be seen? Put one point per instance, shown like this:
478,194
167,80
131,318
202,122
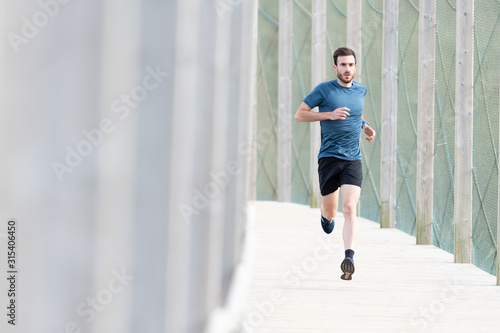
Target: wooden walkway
397,287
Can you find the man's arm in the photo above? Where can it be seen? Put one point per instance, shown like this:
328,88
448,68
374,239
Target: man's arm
369,132
305,114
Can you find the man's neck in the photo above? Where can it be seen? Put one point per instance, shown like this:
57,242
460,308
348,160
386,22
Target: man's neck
343,84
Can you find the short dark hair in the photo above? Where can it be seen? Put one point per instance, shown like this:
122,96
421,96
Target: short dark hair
343,51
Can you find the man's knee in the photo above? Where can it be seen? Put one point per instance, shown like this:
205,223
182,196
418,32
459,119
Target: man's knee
349,208
329,215
329,206
328,211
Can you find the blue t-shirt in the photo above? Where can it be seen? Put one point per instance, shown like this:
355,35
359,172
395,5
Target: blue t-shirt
339,138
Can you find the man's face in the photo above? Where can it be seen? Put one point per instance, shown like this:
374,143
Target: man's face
345,68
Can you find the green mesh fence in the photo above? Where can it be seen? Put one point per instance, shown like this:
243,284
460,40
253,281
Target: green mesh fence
485,119
267,99
336,26
444,126
301,87
267,89
371,77
406,210
485,142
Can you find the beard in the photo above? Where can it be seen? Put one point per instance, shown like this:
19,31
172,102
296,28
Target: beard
342,78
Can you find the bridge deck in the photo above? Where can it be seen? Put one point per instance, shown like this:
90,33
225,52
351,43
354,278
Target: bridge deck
397,287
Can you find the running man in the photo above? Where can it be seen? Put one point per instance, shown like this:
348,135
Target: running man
340,105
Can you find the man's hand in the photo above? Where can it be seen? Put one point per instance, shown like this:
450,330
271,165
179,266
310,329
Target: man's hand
340,113
370,133
304,114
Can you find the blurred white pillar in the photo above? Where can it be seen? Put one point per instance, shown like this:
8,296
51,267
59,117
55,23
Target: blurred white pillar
425,142
52,98
464,94
388,169
244,55
129,71
251,32
285,60
252,18
235,170
239,91
246,130
155,196
181,175
222,170
318,75
122,79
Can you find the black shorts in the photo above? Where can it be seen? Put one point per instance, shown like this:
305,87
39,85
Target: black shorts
334,172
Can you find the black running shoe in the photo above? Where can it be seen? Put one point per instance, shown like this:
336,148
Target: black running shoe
347,266
327,225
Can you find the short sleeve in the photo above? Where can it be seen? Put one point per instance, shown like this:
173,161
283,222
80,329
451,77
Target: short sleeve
315,98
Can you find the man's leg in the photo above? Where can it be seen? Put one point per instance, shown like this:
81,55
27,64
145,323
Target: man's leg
329,205
329,211
350,197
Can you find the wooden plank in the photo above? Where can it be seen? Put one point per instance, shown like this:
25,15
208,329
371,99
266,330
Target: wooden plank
285,59
318,76
425,142
389,115
463,130
397,286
